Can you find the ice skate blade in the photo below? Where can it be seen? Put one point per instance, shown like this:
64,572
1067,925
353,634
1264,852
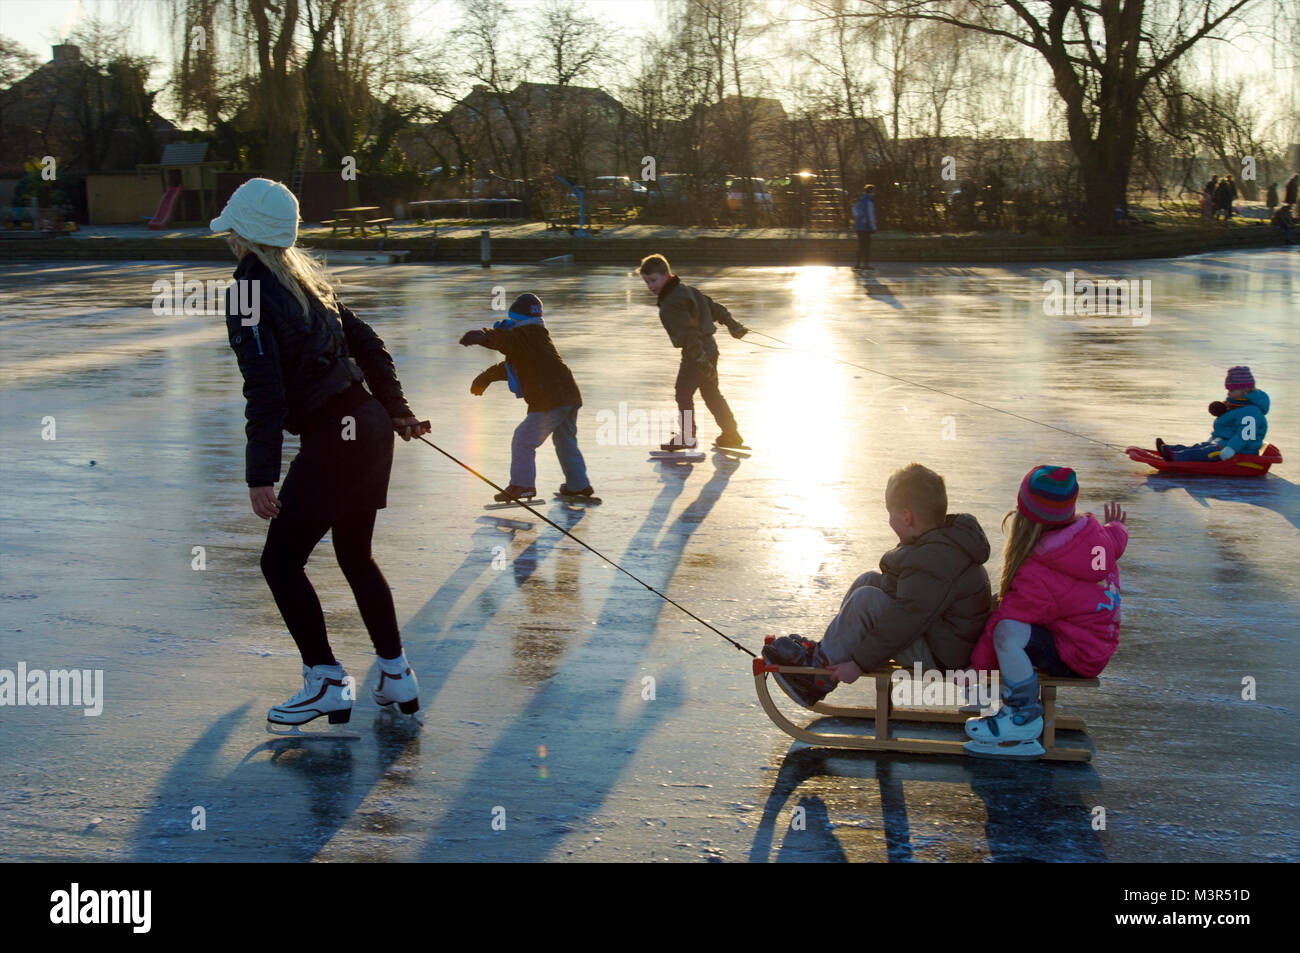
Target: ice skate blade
392,714
1022,750
530,501
580,500
295,732
678,456
734,451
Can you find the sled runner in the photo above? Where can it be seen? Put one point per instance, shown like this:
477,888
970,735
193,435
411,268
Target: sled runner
1241,465
886,717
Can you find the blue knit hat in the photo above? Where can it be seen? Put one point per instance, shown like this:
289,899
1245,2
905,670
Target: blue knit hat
526,306
1047,495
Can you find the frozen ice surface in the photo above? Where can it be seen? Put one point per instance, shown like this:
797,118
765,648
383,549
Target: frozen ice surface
533,654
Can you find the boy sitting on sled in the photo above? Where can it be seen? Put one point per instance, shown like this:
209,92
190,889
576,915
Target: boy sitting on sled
1239,426
927,604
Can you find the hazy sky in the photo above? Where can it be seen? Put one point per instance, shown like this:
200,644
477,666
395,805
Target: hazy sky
38,24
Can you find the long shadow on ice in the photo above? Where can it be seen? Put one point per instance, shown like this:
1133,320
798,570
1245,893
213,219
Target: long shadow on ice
1269,492
284,807
287,798
583,716
1037,811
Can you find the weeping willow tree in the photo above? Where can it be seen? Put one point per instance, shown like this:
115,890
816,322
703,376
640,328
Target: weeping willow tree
268,69
1103,56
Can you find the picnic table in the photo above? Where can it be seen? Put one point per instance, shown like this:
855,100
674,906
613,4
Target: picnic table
354,218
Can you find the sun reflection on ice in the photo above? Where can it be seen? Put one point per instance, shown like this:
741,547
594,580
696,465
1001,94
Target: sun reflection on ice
806,421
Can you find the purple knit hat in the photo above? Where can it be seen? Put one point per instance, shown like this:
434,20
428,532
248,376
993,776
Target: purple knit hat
1239,378
1047,495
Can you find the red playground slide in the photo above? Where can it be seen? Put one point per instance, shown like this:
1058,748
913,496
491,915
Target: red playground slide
166,208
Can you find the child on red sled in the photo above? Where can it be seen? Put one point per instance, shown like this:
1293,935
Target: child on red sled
1239,426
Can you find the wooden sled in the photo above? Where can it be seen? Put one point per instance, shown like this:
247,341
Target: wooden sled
886,716
1241,465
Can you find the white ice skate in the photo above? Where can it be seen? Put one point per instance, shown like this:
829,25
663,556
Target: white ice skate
398,688
1010,733
326,690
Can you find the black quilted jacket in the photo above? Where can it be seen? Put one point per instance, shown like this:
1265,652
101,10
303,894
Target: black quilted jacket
292,365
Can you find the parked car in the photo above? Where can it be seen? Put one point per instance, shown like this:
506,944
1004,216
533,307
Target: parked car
738,186
616,190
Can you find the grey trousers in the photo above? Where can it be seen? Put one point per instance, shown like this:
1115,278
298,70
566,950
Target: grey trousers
856,623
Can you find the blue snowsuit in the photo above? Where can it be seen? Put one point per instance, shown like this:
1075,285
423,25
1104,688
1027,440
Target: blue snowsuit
1229,431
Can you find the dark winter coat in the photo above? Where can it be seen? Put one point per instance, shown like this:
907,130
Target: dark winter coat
1291,185
688,315
544,378
941,593
292,365
1225,194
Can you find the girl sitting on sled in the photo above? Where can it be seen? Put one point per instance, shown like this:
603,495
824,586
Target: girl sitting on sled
1058,606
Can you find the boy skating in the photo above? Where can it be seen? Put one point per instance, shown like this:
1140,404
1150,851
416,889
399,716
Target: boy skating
535,372
688,316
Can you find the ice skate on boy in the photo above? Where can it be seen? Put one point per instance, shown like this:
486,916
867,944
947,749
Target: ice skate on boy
1013,731
795,650
326,690
514,492
586,495
397,686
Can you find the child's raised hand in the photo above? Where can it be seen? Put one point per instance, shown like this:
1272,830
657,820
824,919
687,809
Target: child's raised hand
1113,514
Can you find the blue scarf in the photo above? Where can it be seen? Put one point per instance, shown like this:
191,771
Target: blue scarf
513,320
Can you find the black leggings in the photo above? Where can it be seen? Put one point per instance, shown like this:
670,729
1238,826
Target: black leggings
289,544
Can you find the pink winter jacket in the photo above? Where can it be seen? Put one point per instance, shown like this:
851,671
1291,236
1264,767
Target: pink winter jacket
1070,586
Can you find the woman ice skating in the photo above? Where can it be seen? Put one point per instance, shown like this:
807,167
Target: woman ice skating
1239,425
535,372
1057,609
304,356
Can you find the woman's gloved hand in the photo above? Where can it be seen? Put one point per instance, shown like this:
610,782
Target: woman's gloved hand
473,337
1218,408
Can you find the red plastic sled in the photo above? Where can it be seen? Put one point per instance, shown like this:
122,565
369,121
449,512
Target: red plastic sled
1242,465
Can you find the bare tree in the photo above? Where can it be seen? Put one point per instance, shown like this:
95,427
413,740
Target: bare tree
1102,58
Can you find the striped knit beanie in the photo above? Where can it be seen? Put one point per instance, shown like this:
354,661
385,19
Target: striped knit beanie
1239,378
1047,495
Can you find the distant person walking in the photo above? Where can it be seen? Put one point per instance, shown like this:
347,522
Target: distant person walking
1224,196
1270,199
1207,197
1285,223
864,223
1291,187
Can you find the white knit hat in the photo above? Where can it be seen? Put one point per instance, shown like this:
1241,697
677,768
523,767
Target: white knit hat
262,211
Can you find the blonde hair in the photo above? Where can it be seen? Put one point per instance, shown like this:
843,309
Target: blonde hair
299,272
1022,539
